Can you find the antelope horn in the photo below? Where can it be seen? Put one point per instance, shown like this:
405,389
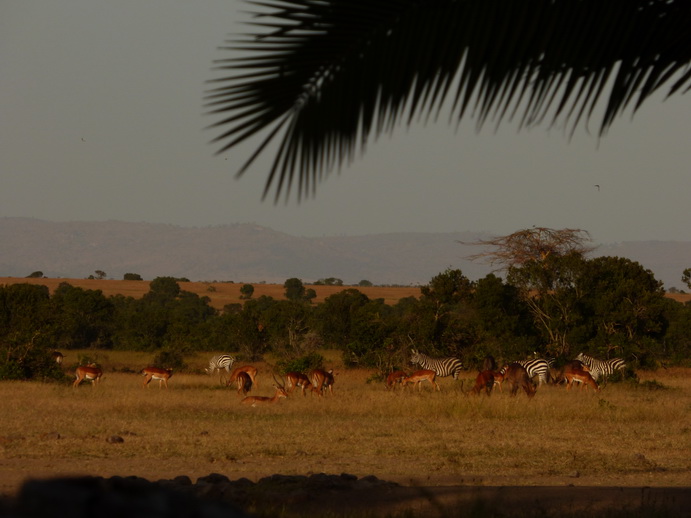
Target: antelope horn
282,385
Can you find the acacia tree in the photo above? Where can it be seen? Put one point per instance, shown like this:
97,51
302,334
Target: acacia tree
543,264
326,76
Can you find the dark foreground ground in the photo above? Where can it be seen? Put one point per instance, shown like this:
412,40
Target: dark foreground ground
328,496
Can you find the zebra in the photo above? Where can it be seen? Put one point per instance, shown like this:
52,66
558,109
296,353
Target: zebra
449,366
602,368
537,367
222,361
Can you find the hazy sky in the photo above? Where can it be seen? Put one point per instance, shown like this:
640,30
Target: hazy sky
102,118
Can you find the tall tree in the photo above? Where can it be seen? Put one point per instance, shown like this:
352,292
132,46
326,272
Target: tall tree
324,76
544,264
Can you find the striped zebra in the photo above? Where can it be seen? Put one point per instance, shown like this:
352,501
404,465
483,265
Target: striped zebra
602,368
222,361
449,366
537,367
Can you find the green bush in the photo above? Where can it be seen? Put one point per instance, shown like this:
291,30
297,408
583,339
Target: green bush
168,359
301,364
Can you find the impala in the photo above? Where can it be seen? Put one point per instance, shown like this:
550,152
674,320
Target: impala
572,366
87,372
580,376
244,382
297,379
261,400
395,377
518,377
419,376
484,381
58,357
247,369
321,380
155,373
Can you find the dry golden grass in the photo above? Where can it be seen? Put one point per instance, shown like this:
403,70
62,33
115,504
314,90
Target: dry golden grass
220,293
625,435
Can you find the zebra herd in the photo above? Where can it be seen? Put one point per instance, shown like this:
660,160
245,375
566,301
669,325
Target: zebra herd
536,368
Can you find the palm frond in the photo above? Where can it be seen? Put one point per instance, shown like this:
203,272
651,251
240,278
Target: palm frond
325,76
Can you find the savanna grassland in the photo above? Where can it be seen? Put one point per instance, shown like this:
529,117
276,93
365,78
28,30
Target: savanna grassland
626,435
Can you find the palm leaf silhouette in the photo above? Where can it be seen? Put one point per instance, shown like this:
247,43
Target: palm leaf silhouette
323,77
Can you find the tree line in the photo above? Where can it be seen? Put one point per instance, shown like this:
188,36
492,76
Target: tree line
553,302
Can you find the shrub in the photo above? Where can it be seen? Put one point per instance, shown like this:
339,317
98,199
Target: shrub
169,359
301,364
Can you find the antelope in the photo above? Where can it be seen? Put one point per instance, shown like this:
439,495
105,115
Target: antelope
572,366
489,364
499,377
518,377
395,377
58,357
87,372
244,382
420,376
247,369
260,400
485,381
321,380
297,379
581,376
155,373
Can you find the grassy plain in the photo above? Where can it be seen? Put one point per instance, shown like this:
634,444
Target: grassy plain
626,435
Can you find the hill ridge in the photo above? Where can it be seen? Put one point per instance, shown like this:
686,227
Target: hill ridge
246,252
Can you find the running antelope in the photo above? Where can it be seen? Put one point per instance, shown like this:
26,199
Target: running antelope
87,372
261,400
419,376
247,369
297,379
155,373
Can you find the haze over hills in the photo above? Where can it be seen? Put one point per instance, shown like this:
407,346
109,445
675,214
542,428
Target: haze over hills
250,253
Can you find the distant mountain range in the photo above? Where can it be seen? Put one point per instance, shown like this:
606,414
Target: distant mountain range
250,253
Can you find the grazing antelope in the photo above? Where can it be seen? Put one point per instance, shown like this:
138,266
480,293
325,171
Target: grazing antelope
247,369
518,377
419,376
58,357
261,400
154,373
222,361
484,381
87,372
321,380
297,379
571,365
396,377
244,382
580,376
